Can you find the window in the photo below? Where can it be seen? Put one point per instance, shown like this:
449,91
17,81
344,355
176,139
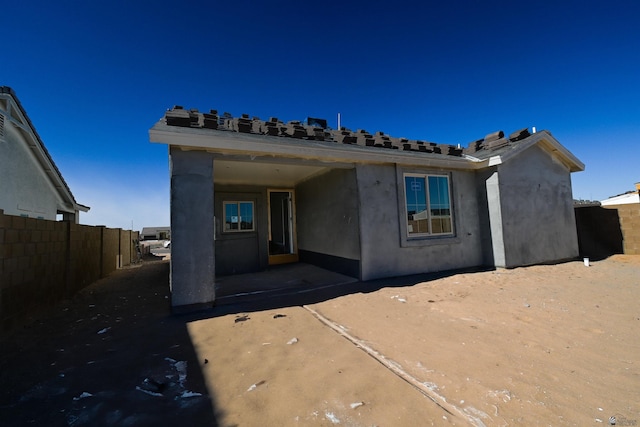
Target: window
428,204
238,216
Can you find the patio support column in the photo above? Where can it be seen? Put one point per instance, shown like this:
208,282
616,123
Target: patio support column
192,279
494,202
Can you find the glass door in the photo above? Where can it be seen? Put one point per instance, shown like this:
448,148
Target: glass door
282,233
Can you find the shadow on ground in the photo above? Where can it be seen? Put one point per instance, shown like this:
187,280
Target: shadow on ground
112,355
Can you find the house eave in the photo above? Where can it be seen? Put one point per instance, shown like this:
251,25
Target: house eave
66,199
226,142
547,142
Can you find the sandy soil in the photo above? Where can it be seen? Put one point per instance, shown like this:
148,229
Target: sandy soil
542,345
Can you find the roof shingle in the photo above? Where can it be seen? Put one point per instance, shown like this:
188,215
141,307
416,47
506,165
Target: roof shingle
314,130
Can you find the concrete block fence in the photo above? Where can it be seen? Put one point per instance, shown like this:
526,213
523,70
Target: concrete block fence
607,230
43,262
630,226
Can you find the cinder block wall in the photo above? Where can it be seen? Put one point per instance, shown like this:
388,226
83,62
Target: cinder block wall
125,247
43,262
599,234
33,257
110,250
630,226
85,251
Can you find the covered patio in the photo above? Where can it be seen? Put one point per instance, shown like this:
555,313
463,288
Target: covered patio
286,279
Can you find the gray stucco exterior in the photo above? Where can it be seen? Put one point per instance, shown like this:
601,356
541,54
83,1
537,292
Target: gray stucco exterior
386,249
192,278
531,210
328,221
509,201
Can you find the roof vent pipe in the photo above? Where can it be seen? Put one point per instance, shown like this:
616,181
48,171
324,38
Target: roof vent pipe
338,121
533,129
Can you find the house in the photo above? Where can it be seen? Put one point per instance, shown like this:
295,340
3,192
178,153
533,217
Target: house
30,183
155,233
628,198
248,193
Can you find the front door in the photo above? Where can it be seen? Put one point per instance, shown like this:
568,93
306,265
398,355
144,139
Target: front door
282,233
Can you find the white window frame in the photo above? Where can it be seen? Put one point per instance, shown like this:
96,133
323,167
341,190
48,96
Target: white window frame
430,232
237,203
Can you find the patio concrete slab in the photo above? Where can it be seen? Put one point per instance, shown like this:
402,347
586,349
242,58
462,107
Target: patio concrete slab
290,278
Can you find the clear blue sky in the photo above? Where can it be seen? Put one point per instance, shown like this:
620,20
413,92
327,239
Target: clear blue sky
95,76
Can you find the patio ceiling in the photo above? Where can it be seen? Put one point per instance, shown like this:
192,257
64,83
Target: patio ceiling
263,173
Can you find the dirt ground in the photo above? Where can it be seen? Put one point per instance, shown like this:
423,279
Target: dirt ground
542,345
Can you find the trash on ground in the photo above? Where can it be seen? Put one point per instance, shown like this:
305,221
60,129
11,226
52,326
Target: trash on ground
254,386
243,318
154,386
151,393
181,367
187,394
331,417
83,395
292,341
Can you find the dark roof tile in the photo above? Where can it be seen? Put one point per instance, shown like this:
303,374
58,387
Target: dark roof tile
519,134
311,130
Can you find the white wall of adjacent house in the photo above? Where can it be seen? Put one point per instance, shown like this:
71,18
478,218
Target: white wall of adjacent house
25,190
623,199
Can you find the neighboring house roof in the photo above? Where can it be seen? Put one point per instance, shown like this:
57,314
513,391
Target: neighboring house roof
154,230
628,198
17,115
245,135
623,199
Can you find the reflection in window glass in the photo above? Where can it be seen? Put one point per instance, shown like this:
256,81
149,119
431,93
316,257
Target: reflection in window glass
246,215
416,204
238,216
428,205
439,205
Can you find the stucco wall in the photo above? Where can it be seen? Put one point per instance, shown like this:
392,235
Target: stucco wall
192,229
493,198
327,207
536,204
384,251
486,180
24,189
